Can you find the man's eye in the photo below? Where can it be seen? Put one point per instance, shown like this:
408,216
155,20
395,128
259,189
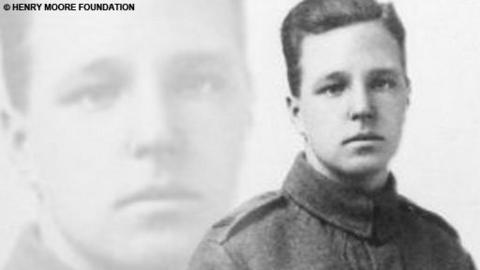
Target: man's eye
93,98
332,89
99,99
199,86
383,84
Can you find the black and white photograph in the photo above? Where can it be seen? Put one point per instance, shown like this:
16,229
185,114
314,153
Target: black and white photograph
239,134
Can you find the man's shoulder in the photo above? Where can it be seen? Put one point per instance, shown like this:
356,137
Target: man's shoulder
250,213
428,217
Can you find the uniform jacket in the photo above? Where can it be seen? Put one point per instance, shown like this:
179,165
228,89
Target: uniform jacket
317,224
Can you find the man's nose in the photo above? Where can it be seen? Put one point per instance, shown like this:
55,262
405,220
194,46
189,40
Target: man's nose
152,133
362,104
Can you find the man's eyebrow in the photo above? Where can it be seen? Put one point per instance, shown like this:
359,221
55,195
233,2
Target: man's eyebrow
379,72
103,66
98,69
216,60
333,76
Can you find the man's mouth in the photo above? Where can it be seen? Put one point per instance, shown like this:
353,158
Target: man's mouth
364,137
159,194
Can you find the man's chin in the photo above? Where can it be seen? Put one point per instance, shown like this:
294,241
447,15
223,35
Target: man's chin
170,239
161,235
160,260
363,168
158,251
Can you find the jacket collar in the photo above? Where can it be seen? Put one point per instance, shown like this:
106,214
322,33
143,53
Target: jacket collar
31,254
370,216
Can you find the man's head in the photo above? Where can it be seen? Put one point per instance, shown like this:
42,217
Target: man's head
314,17
348,82
132,125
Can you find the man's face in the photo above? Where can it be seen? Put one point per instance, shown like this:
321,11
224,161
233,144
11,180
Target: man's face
135,126
353,99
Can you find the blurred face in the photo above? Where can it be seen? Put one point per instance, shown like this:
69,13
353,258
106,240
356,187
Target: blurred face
135,127
353,99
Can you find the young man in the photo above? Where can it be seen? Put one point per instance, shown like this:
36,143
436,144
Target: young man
129,125
338,208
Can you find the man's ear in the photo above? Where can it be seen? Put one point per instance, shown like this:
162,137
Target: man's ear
294,110
409,90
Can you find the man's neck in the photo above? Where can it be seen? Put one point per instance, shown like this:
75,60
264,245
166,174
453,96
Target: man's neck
368,181
69,254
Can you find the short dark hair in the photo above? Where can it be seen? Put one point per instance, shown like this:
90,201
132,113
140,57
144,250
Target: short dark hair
319,16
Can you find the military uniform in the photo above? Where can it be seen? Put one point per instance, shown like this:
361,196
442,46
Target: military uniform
316,223
31,254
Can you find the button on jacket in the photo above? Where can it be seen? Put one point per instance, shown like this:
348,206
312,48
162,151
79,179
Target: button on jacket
315,223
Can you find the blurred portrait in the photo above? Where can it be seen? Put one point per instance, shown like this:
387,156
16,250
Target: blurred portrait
128,126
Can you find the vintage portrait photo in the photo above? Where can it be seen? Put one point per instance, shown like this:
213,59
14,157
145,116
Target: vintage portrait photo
239,134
